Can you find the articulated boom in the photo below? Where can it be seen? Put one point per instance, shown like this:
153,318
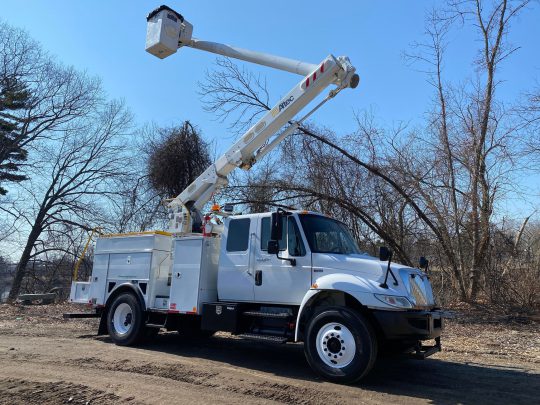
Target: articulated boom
256,142
165,36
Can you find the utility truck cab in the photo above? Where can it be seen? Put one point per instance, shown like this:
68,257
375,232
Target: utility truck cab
278,277
303,260
313,251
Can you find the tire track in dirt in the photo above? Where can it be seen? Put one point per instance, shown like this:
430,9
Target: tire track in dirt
280,392
16,391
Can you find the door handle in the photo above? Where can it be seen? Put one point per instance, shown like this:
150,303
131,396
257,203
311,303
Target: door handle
258,277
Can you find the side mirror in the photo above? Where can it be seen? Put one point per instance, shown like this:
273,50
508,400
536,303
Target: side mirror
423,262
384,253
273,247
276,226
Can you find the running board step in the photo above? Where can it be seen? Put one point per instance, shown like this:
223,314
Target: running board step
263,338
154,325
264,314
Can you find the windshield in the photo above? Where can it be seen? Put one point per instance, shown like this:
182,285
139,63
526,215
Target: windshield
326,235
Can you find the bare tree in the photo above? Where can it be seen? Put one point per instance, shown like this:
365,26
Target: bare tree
139,207
528,114
55,95
467,135
61,248
233,92
76,173
432,188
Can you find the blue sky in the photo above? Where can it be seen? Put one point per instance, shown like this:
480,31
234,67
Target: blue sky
106,38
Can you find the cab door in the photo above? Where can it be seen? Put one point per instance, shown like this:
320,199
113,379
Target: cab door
277,280
235,274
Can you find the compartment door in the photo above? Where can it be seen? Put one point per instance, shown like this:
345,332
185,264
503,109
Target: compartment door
80,291
185,275
98,282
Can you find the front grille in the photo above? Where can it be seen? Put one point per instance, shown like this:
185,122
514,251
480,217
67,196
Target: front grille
417,291
418,287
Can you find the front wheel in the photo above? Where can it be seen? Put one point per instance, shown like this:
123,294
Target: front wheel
340,345
125,320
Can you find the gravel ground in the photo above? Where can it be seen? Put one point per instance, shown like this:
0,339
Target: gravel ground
46,359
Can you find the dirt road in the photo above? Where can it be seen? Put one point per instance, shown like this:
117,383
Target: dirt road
44,359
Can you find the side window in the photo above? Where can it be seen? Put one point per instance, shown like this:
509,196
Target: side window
294,239
265,234
238,235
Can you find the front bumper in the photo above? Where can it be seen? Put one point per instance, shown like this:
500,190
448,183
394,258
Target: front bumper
410,325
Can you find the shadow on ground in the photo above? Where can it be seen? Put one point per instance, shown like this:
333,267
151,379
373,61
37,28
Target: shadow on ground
439,381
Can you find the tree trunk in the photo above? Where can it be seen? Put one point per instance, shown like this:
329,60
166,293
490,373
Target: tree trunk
20,271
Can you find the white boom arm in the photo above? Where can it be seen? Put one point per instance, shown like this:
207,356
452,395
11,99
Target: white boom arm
167,31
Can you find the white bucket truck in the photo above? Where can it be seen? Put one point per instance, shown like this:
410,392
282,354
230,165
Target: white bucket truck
279,277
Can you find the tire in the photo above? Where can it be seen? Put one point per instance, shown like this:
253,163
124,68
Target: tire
125,320
340,345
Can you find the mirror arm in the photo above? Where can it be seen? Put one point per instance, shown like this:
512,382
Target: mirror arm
275,245
292,261
389,270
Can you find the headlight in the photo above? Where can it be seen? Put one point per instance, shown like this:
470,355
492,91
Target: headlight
394,300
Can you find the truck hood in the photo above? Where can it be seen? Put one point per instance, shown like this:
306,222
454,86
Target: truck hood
366,273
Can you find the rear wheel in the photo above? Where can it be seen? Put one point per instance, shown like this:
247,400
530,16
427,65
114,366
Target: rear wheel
340,345
125,320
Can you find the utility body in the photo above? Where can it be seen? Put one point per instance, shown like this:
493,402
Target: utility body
285,276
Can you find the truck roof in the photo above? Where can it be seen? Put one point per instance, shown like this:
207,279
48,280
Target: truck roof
263,214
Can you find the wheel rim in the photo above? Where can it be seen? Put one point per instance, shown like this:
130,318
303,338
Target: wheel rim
335,345
122,319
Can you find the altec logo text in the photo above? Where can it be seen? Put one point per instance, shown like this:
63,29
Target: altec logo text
276,110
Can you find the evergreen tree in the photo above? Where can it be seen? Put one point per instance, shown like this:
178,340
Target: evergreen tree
13,97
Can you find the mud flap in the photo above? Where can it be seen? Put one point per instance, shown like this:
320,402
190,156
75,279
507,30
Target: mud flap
102,329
